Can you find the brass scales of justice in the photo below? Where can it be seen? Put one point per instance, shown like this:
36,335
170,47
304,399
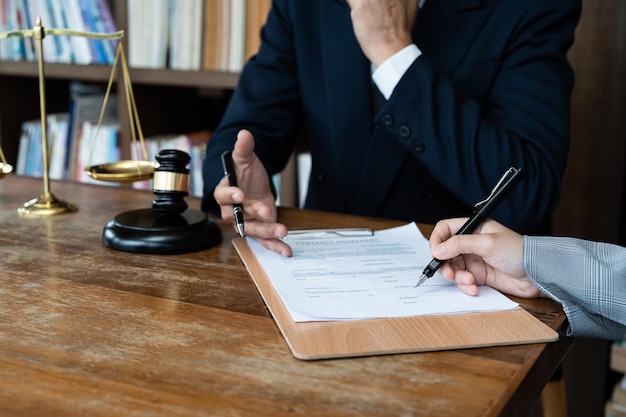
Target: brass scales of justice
169,226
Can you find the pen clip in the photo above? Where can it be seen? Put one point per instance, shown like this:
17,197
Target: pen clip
502,183
319,233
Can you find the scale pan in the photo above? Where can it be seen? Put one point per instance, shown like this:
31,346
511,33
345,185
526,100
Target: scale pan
5,169
122,171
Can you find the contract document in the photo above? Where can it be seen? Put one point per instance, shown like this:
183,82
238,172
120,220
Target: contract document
332,277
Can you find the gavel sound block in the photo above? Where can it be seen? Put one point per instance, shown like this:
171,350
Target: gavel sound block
169,227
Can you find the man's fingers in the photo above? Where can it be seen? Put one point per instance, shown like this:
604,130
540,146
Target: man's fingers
277,245
224,194
265,230
244,147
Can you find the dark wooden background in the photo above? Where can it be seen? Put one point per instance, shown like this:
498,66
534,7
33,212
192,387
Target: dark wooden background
593,200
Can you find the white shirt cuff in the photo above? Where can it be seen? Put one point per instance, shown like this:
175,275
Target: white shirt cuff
389,73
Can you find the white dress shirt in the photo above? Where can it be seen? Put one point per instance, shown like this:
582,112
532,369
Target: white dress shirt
389,73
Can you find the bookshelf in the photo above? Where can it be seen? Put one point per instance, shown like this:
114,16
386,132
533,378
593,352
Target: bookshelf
168,100
616,406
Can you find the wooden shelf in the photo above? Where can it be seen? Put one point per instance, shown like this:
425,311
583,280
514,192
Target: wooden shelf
175,78
101,73
58,71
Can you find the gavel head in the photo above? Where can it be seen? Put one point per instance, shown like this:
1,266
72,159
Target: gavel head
171,181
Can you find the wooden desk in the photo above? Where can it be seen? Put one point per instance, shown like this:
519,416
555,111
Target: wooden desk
89,331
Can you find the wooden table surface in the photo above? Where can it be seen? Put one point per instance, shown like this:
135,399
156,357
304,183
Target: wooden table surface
90,331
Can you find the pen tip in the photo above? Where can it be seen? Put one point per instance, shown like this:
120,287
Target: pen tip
423,278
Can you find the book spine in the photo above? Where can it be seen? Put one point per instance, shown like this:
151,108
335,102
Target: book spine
81,51
106,17
95,46
64,47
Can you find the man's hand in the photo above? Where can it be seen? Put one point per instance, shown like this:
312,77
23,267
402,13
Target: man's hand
383,27
254,194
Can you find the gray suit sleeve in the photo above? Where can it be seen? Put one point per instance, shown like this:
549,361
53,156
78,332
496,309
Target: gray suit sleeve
587,278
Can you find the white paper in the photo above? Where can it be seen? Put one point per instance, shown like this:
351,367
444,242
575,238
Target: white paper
345,278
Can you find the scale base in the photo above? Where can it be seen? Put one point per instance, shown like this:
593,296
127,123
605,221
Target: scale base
149,231
45,205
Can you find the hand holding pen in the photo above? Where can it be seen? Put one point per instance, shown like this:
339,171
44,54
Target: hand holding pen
253,194
229,171
482,210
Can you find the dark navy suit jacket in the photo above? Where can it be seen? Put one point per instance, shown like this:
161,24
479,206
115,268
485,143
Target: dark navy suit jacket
490,91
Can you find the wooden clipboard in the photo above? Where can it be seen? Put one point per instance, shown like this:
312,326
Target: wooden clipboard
338,339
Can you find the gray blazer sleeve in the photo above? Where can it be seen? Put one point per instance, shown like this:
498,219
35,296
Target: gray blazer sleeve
587,278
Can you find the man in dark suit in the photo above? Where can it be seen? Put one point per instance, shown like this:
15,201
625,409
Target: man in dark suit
468,88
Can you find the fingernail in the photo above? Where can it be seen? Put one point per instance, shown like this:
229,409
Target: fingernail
236,198
278,234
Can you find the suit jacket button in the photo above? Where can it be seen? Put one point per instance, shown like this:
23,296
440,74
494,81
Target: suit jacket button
321,177
404,131
419,146
387,120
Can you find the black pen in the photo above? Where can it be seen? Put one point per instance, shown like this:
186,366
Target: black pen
482,211
229,171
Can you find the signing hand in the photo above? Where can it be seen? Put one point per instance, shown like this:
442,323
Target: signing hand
254,193
492,256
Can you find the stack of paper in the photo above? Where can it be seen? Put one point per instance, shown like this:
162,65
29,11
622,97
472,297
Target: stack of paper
333,277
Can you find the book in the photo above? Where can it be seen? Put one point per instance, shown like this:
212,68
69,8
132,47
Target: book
34,165
195,45
58,125
616,406
134,32
80,15
39,8
96,145
30,150
224,48
86,105
149,32
213,34
5,26
101,49
59,20
156,55
22,21
236,35
232,32
81,49
197,142
256,15
619,393
24,147
186,34
614,410
106,18
618,356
